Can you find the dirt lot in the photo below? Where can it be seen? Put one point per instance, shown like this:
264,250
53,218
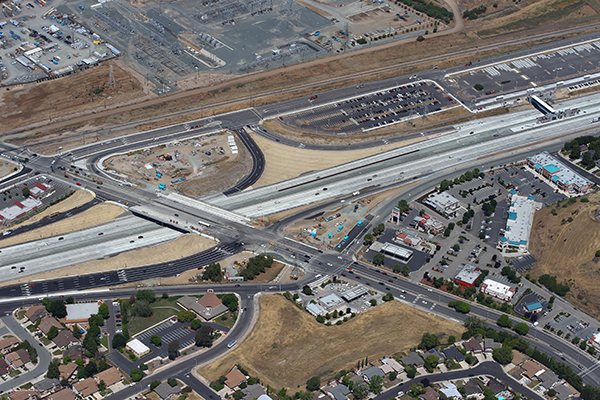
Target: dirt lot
198,161
181,247
6,168
285,162
567,250
288,346
97,215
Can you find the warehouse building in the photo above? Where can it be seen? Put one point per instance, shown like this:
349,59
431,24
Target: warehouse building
519,224
467,275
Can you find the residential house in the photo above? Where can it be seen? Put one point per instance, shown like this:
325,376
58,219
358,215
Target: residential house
563,392
3,367
18,358
451,391
24,395
48,322
234,378
412,359
430,394
166,391
65,394
208,307
489,345
35,313
264,397
86,387
74,352
110,376
8,344
371,372
65,339
453,352
495,386
47,386
548,378
339,392
472,388
67,370
472,345
532,369
395,365
253,392
437,353
518,357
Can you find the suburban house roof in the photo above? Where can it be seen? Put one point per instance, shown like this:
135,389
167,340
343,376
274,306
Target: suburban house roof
3,366
74,352
563,392
24,395
495,386
86,387
491,344
412,359
234,378
371,372
451,391
66,370
532,369
47,323
18,358
110,376
164,390
453,352
8,342
339,392
518,357
35,312
64,339
472,387
394,364
472,345
386,369
548,378
65,394
46,384
430,394
253,392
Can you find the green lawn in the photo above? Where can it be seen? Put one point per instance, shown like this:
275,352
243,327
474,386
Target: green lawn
45,340
21,314
104,341
138,324
57,352
14,372
229,322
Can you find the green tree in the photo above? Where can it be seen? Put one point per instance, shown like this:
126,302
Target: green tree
185,316
313,383
376,384
378,230
420,38
361,390
478,87
213,272
118,341
103,310
551,392
503,355
53,371
470,359
172,382
173,349
460,306
146,295
504,321
156,340
102,386
473,322
56,307
429,341
136,375
154,384
142,309
195,324
204,336
411,371
307,290
369,239
230,300
431,361
378,259
373,302
393,376
405,270
52,332
388,297
25,191
521,328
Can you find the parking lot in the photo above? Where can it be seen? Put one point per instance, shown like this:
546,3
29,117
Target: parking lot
417,260
376,110
528,72
523,263
570,324
524,181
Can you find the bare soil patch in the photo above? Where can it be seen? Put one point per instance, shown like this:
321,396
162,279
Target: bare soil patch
6,168
183,246
97,215
567,250
288,345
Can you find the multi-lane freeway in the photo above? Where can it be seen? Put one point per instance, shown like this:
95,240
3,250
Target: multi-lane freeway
443,152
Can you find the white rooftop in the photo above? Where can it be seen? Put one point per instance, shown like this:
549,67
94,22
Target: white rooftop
520,220
138,347
81,311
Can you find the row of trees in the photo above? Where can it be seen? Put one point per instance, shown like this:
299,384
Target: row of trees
430,9
467,176
551,283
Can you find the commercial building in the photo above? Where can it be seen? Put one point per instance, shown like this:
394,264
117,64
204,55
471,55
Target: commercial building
19,209
467,275
408,238
354,293
558,173
444,203
428,224
207,307
80,312
397,252
138,348
315,309
498,290
331,301
519,224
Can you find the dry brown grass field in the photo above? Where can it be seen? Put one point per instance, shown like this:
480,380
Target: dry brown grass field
567,250
288,346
